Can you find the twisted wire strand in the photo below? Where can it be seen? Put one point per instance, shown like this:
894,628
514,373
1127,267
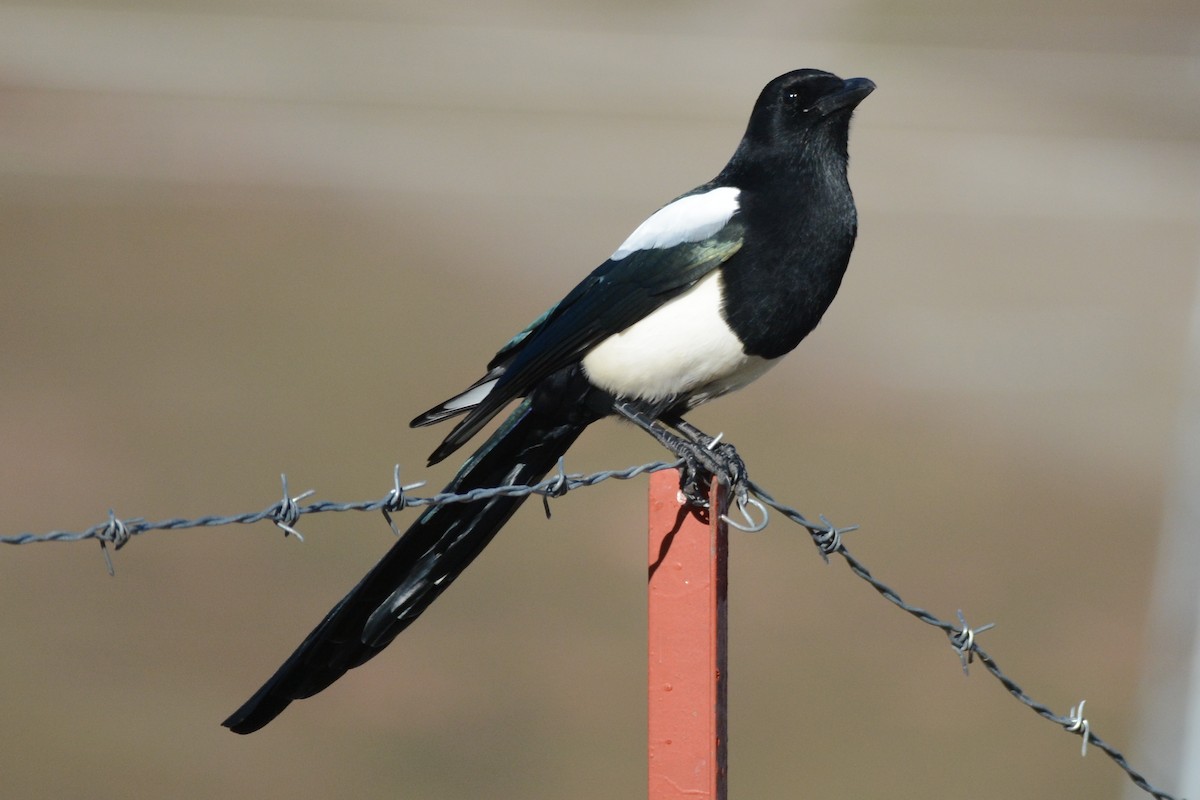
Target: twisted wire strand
287,512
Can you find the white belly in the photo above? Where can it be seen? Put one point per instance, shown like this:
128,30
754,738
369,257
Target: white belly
682,349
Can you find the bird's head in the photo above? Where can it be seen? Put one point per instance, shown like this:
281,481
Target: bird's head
803,107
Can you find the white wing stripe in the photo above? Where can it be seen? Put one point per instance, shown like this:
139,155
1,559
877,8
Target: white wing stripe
471,397
688,219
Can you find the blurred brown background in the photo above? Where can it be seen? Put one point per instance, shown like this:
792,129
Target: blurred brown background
240,239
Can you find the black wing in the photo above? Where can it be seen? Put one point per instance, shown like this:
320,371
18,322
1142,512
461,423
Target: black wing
617,294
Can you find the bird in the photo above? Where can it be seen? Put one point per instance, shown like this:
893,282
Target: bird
702,298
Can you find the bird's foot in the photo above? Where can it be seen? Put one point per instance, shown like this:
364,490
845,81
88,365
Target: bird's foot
708,458
704,457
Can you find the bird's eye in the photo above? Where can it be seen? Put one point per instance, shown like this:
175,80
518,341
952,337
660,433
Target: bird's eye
796,100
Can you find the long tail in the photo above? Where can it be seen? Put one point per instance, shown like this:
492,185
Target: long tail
419,567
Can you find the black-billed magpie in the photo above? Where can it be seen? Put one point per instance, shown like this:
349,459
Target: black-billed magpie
702,298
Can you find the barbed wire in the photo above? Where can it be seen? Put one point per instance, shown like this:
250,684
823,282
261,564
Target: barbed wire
962,638
287,512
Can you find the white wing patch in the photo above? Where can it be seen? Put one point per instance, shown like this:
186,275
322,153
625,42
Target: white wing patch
688,219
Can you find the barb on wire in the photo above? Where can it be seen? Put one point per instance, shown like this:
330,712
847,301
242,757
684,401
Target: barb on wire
287,512
1079,724
963,641
395,500
114,531
557,489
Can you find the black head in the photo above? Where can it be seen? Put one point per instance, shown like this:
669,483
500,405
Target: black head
798,105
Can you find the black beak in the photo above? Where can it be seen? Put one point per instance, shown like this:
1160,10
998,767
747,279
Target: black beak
853,92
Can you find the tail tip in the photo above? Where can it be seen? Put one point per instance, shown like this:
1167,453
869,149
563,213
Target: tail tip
255,715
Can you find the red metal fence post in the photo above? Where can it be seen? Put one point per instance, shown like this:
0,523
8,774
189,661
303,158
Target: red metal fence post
688,634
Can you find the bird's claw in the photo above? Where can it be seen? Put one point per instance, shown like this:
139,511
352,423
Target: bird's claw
692,482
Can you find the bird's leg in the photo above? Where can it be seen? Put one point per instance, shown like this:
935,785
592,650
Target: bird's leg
733,469
693,469
702,455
